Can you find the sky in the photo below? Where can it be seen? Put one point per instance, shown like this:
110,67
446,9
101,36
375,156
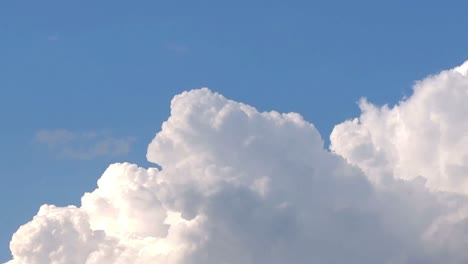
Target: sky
86,84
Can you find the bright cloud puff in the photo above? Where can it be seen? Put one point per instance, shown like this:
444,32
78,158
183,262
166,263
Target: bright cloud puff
240,186
424,136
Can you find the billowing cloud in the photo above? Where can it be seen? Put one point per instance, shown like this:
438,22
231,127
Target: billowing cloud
423,136
83,145
241,186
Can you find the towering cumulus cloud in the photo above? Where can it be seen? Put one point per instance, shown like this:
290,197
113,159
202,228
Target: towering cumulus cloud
243,187
424,136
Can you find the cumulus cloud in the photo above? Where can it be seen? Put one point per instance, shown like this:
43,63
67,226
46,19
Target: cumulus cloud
423,136
83,145
242,186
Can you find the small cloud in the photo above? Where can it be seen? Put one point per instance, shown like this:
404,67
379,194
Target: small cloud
178,49
54,137
83,145
53,37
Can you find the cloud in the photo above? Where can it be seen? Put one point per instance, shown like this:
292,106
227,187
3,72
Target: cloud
424,136
53,37
83,145
177,49
242,186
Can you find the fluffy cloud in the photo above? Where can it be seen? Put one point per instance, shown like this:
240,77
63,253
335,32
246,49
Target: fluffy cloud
241,186
83,145
423,136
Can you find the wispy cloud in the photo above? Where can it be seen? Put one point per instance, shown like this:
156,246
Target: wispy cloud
83,145
178,49
53,37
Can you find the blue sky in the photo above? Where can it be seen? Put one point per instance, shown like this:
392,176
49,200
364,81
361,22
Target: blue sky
110,68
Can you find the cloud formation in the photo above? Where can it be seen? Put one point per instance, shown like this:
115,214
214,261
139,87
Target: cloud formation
83,145
242,186
423,136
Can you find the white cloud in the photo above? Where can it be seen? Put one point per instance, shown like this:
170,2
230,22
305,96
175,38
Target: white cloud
424,136
83,145
240,186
